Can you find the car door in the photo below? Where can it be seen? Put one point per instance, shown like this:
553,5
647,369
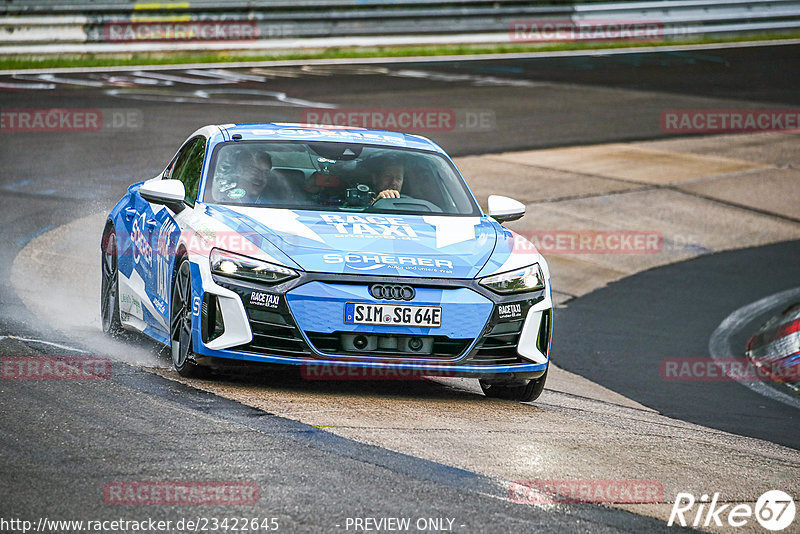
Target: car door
133,261
187,166
136,262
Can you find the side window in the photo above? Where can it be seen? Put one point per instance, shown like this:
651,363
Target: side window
189,166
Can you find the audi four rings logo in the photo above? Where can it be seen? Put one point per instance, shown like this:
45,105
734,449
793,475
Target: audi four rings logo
392,292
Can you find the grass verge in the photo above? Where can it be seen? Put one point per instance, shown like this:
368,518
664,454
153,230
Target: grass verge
179,58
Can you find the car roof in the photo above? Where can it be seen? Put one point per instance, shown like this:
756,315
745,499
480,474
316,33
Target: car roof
281,131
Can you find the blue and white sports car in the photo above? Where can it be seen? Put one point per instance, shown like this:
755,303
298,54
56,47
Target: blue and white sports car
325,246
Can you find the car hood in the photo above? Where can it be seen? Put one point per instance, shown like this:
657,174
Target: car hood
369,243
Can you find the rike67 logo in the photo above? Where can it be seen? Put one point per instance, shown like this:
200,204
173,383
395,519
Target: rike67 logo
774,510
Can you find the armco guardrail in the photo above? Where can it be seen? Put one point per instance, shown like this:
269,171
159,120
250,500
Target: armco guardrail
31,26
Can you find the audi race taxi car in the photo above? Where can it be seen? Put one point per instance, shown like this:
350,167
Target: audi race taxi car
327,246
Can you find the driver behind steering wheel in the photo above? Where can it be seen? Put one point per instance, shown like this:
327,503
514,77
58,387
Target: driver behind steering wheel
389,180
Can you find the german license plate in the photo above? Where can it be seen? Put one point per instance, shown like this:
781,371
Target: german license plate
392,314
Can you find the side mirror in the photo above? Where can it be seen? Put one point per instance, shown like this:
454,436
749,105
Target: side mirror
504,209
170,193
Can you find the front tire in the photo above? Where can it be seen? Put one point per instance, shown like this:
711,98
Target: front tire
180,321
517,392
109,285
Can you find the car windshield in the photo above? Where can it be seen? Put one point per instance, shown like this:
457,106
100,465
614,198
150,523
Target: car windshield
336,177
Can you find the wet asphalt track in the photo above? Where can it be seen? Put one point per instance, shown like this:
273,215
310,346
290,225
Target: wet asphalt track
618,336
59,447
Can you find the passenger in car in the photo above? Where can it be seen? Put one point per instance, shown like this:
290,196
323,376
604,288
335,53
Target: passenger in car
246,176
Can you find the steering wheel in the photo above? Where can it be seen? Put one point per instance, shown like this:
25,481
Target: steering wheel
406,203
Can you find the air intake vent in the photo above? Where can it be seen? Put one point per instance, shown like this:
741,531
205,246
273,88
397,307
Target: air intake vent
273,334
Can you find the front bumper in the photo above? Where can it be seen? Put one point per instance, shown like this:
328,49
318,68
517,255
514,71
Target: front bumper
300,322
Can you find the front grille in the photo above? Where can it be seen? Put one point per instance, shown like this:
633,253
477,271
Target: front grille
443,347
499,346
274,334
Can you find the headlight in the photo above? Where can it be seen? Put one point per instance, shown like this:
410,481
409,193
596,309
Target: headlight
237,266
528,278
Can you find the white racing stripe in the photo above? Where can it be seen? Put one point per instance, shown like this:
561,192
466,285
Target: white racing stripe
28,86
197,79
275,95
229,75
254,97
719,346
43,342
51,78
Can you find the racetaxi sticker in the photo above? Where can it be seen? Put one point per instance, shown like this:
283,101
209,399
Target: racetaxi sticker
509,311
370,226
259,298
